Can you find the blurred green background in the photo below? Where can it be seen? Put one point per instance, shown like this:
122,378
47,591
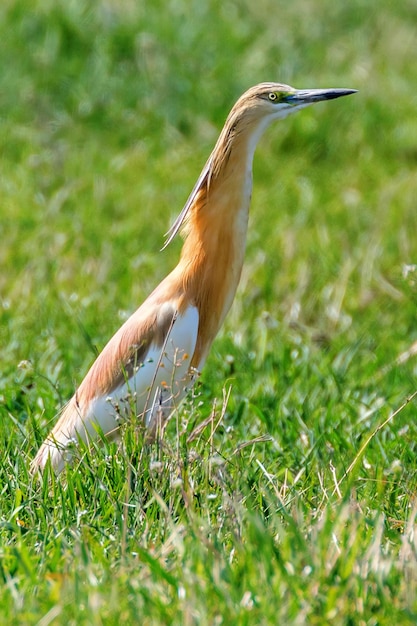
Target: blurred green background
108,111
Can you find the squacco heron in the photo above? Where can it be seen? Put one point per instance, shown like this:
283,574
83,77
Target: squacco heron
154,358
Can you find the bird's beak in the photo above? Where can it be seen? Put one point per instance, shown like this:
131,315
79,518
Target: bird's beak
308,96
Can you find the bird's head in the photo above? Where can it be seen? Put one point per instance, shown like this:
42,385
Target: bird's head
271,101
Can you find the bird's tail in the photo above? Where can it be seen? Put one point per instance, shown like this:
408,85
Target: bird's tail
73,427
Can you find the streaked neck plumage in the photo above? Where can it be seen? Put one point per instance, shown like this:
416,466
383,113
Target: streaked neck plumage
216,225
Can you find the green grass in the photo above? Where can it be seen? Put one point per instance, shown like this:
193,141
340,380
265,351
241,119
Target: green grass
282,510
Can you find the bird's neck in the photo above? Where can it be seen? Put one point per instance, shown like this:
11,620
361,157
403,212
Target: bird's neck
213,252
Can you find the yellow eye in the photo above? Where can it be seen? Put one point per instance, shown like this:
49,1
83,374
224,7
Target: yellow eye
272,96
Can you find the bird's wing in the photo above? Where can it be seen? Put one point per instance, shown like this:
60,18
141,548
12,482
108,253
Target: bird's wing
143,369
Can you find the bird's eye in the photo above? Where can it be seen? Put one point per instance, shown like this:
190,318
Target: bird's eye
272,96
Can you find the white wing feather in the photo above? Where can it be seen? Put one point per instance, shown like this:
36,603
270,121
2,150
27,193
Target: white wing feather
155,387
158,384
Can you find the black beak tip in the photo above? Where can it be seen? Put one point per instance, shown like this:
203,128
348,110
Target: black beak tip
337,93
308,96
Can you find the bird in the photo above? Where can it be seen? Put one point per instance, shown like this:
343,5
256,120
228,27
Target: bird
155,357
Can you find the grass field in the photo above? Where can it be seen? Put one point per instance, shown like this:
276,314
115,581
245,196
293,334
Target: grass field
297,503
